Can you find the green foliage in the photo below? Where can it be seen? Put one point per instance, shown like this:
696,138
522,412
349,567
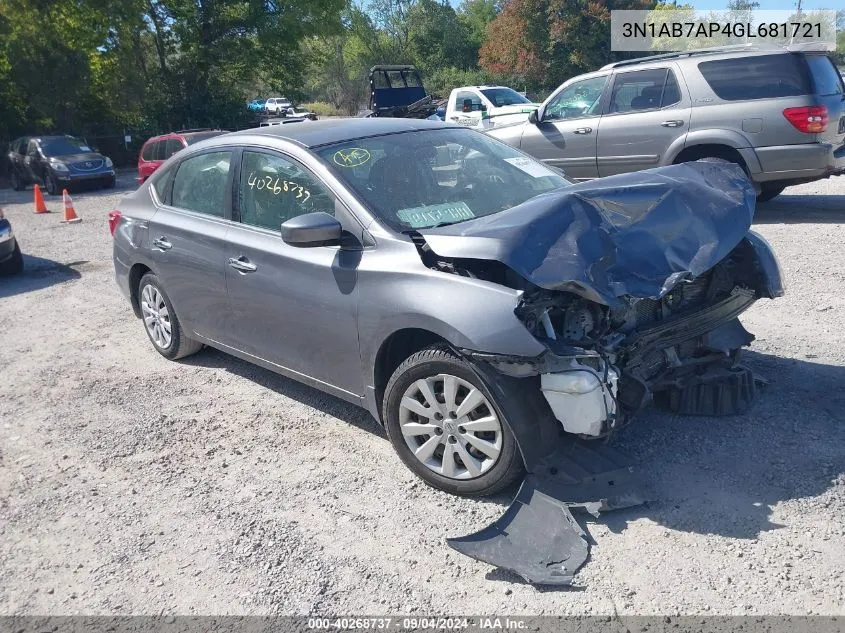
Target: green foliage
321,108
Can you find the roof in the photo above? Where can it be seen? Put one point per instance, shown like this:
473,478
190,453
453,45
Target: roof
807,47
328,131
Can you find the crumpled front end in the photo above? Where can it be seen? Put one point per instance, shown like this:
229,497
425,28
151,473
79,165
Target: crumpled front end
633,284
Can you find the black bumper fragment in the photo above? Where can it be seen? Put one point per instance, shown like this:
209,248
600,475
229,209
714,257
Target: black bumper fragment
537,537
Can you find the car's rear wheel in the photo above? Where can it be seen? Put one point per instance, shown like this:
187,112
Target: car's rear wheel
445,425
768,193
13,265
160,321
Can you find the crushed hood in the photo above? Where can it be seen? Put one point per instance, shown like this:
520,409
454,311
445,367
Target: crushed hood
636,234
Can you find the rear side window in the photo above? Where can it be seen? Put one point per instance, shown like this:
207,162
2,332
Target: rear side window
149,151
161,179
756,77
826,79
474,101
201,183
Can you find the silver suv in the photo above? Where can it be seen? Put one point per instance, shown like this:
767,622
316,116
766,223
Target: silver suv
779,113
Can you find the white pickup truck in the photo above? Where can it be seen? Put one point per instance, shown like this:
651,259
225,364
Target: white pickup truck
484,107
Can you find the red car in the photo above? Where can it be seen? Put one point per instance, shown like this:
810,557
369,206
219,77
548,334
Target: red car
159,148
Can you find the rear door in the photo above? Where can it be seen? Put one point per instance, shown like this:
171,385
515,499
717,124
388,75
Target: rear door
645,114
293,307
188,241
566,135
828,89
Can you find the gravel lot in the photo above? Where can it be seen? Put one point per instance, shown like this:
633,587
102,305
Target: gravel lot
130,484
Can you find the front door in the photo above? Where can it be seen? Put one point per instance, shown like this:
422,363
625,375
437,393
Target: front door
646,113
291,306
188,242
566,135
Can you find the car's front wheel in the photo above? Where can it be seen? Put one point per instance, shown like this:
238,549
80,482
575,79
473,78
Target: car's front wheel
444,424
17,184
13,265
52,185
160,321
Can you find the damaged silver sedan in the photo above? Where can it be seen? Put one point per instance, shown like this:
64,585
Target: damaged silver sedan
494,317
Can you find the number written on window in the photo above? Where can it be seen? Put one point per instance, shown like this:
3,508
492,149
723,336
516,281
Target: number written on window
278,186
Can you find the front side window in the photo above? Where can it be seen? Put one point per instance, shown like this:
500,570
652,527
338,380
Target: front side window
201,183
274,189
428,178
577,100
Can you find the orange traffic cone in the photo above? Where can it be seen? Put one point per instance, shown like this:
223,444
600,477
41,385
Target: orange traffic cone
40,207
70,213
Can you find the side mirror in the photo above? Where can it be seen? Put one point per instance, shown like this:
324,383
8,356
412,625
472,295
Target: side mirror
467,107
533,117
312,229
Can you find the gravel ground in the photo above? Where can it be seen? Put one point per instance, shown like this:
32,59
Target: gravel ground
130,484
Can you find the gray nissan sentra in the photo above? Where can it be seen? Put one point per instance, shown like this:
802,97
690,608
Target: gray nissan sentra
487,311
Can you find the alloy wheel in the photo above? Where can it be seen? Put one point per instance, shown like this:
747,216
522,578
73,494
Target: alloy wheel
450,426
156,316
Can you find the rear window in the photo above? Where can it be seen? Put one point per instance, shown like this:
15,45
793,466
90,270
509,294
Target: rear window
756,77
149,151
826,79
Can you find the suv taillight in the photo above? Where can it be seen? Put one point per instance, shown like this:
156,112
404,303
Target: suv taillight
811,119
114,220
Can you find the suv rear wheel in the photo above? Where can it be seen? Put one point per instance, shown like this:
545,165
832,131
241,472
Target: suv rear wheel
446,427
768,193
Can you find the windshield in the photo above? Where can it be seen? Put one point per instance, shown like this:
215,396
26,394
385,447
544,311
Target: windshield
63,146
503,96
422,179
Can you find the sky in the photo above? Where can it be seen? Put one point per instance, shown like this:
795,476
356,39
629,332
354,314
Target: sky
781,5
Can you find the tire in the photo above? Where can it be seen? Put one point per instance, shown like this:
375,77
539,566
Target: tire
17,185
152,298
13,265
768,193
51,185
110,183
433,367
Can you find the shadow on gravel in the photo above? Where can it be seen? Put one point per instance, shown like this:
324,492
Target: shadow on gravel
815,209
289,388
38,273
722,476
719,476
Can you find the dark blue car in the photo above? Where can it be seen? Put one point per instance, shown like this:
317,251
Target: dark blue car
11,260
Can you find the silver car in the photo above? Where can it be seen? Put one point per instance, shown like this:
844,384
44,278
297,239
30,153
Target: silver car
492,315
780,114
472,299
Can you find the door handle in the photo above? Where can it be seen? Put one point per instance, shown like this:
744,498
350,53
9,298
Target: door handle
675,123
162,244
242,264
583,130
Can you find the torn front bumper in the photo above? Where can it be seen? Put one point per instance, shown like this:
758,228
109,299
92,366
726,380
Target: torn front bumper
537,537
